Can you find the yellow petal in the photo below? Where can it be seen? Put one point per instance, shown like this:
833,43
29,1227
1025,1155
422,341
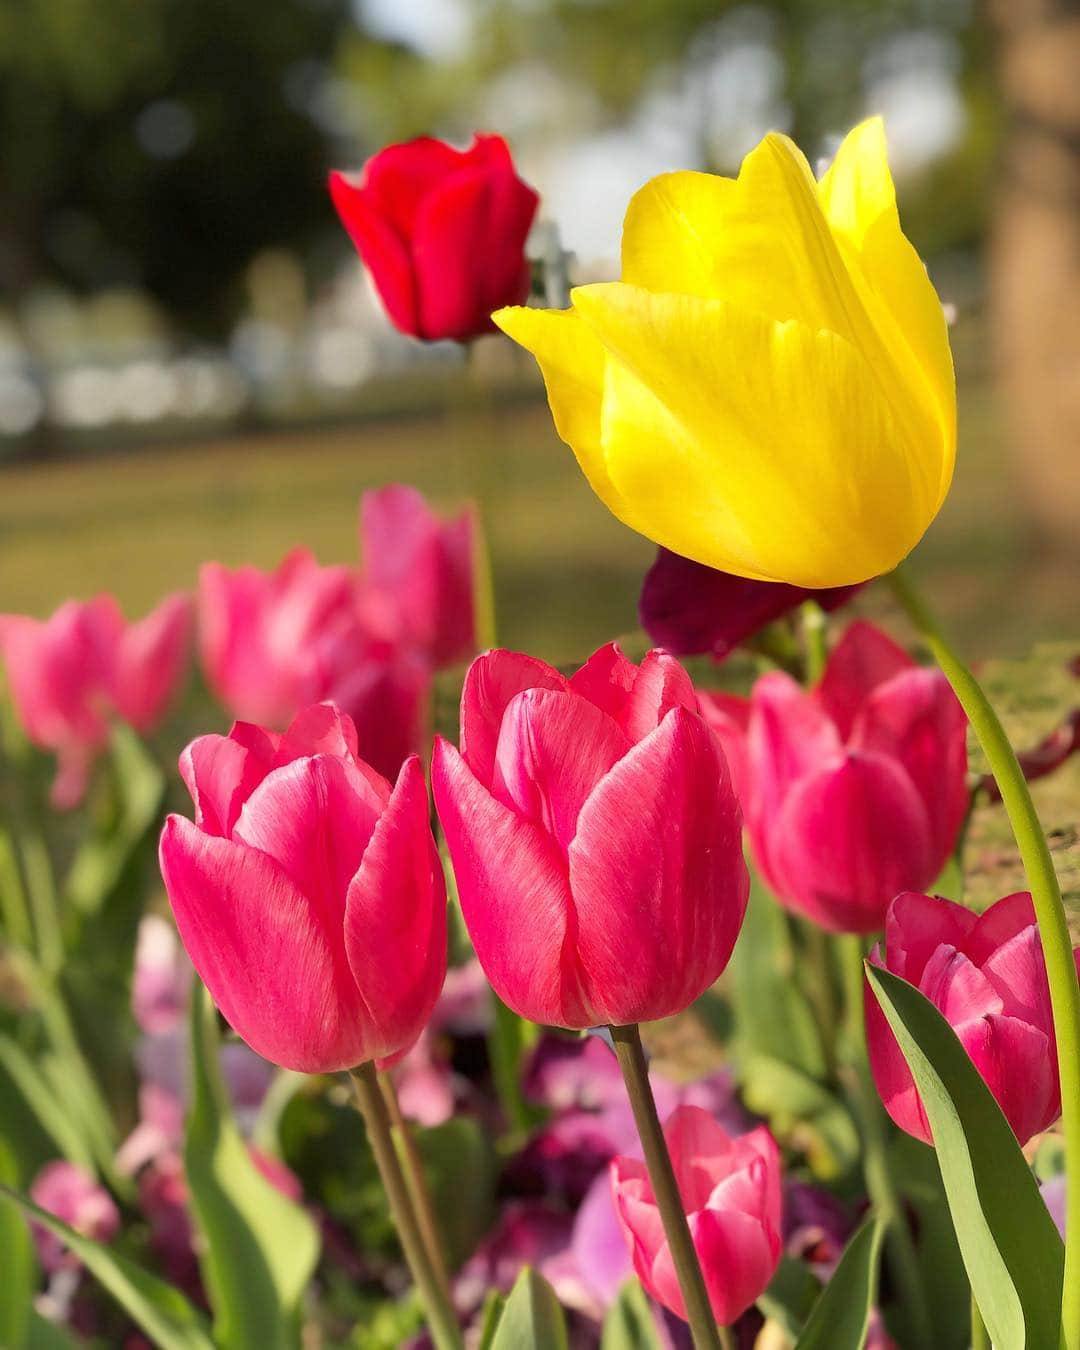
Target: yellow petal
571,361
761,448
860,202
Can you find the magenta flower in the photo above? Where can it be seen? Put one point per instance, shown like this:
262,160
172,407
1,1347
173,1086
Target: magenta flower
72,1195
852,792
730,1189
986,975
594,835
69,674
308,893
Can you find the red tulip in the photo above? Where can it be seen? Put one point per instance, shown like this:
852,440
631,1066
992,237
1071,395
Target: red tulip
690,608
986,976
855,791
308,894
72,672
730,1188
442,232
417,580
594,835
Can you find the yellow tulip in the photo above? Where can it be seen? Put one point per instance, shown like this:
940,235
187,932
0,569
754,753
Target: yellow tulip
769,389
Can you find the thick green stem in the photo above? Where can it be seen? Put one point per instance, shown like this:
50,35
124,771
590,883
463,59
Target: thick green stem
880,1186
440,1315
980,1339
1049,910
814,626
706,1335
412,1166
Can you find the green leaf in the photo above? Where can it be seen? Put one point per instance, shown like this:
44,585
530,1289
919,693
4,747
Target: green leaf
773,1016
532,1317
20,1276
41,1334
462,1170
803,1113
841,1315
1012,1252
261,1248
790,1297
492,1310
166,1316
38,1098
629,1324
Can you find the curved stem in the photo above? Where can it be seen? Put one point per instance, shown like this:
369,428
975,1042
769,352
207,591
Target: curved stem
412,1167
1050,913
880,1185
440,1315
979,1338
703,1328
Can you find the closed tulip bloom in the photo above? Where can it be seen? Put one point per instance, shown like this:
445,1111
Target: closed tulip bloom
855,790
418,575
690,608
730,1189
986,975
72,673
594,836
442,232
769,389
308,892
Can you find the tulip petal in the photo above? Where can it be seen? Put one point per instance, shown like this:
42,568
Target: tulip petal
788,735
606,679
738,1256
863,659
554,747
848,838
1017,970
916,925
958,988
279,980
314,817
709,411
859,200
492,680
395,917
150,659
400,176
220,773
1005,919
1019,1065
572,363
382,248
656,868
514,893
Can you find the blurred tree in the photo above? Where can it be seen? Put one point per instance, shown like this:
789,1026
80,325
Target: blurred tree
159,141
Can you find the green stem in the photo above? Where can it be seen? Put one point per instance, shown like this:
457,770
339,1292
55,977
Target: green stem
508,1041
18,928
440,1314
703,1328
980,1340
880,1186
412,1167
1050,913
41,889
817,649
821,990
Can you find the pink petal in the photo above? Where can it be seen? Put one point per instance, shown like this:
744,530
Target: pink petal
864,658
395,918
151,660
314,817
514,892
1019,1065
490,683
916,925
849,838
660,685
1005,919
892,1077
606,680
739,1256
728,717
554,747
271,965
957,988
389,699
788,735
1017,971
321,729
659,907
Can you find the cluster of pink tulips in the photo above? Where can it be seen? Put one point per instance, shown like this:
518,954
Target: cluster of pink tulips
592,855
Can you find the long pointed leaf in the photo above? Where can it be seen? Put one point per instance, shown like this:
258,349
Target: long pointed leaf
261,1248
166,1316
1012,1252
532,1316
841,1316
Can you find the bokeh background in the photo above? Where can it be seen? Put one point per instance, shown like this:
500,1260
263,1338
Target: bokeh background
192,363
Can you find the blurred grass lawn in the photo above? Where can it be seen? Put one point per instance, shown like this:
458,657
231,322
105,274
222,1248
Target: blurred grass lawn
566,573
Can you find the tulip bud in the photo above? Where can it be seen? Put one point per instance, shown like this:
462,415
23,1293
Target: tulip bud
594,835
986,975
769,389
442,232
308,893
730,1188
856,790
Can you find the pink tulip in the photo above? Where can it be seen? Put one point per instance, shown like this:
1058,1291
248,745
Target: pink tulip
730,1189
594,835
308,894
985,974
417,580
852,792
72,1195
70,673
